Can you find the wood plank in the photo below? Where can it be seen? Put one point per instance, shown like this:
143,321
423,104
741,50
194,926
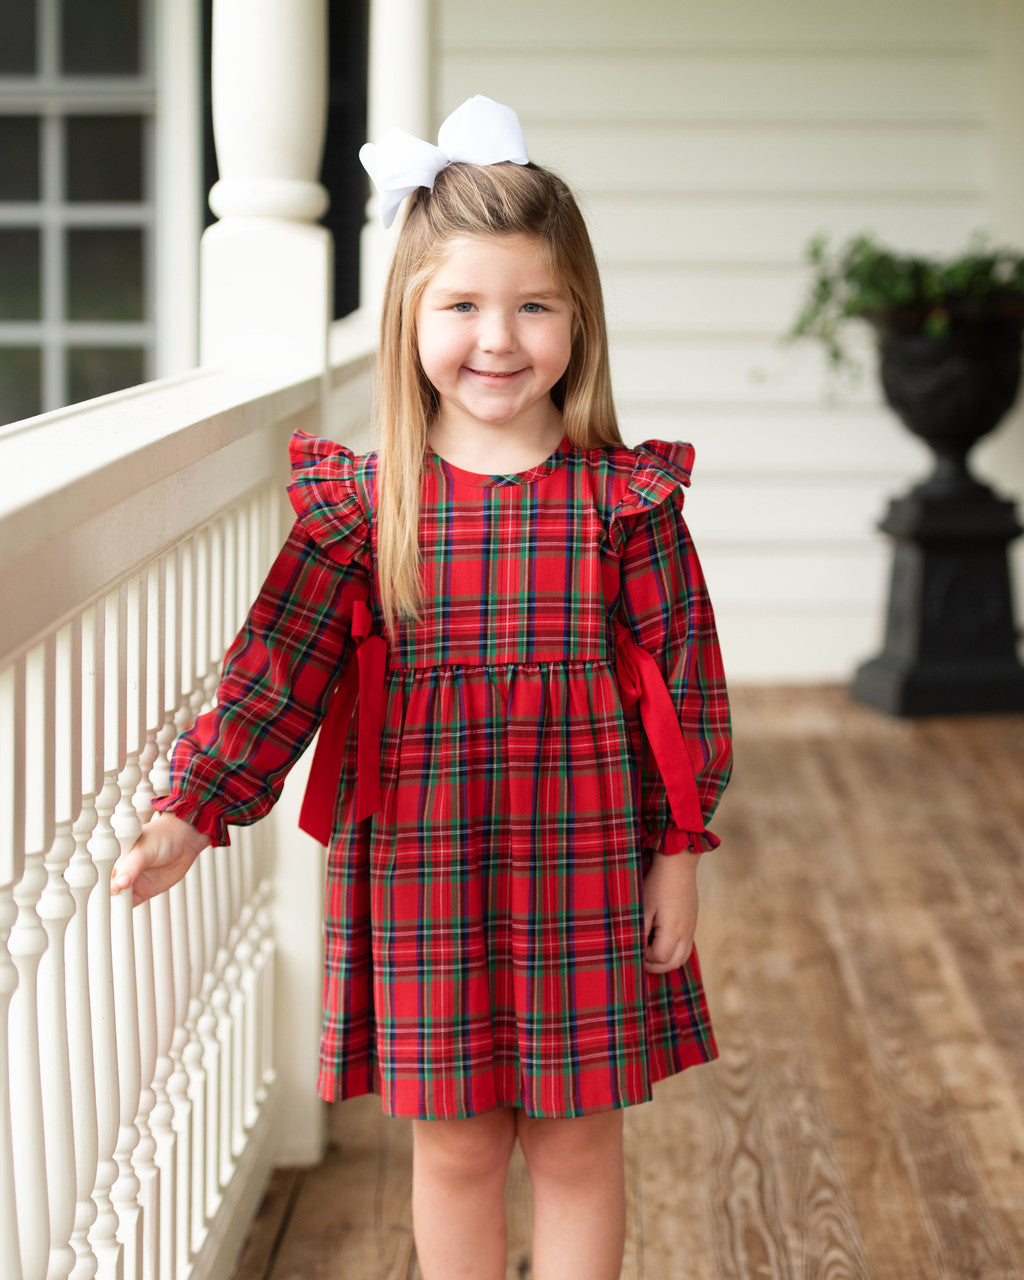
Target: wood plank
269,1225
968,1237
352,1217
810,1039
665,1211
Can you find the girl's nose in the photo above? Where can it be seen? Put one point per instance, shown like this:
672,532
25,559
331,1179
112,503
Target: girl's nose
496,334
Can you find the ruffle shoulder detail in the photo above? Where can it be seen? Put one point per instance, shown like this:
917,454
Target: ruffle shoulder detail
660,469
325,495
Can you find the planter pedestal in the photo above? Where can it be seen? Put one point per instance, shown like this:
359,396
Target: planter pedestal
950,641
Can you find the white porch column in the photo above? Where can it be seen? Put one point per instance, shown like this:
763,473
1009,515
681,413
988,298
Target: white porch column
400,94
266,288
266,266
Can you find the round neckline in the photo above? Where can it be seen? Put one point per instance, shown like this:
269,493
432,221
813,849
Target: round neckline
483,480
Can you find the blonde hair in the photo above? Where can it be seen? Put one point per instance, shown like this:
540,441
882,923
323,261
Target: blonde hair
500,200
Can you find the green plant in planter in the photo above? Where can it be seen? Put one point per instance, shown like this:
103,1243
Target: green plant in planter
904,293
949,345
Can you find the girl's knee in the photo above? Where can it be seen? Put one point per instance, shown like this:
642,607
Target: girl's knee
474,1148
577,1147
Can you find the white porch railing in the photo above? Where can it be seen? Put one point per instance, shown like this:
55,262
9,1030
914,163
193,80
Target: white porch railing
137,1076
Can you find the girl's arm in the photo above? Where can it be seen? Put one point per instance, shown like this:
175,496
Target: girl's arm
665,604
229,765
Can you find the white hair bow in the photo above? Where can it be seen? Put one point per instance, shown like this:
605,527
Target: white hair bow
479,132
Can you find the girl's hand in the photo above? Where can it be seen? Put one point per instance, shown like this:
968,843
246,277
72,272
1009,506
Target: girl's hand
670,911
159,858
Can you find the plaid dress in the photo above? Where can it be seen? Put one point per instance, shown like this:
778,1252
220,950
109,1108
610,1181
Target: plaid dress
492,784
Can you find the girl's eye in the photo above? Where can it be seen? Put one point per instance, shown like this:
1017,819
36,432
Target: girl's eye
532,308
462,307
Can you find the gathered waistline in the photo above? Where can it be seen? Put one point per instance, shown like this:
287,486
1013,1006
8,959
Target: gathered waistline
637,674
587,660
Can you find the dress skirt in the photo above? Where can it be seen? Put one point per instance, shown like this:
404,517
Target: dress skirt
485,938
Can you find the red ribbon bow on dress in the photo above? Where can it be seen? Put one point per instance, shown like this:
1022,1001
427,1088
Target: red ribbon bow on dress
316,817
640,681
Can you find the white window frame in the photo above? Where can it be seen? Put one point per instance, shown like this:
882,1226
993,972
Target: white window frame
166,94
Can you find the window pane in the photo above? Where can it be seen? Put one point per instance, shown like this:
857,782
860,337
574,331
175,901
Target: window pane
96,371
18,37
19,273
20,383
104,158
19,157
105,274
100,37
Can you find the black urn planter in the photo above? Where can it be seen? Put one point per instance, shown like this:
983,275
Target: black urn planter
950,642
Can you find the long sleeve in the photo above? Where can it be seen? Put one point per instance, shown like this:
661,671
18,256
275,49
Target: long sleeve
665,605
230,764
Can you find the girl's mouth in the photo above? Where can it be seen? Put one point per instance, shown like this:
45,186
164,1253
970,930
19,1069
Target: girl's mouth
493,375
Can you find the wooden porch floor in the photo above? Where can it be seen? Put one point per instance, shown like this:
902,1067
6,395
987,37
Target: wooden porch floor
861,935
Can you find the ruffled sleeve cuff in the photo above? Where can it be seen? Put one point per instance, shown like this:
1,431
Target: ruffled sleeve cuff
324,492
204,819
660,469
676,841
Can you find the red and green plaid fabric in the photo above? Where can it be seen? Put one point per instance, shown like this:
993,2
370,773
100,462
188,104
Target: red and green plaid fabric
484,929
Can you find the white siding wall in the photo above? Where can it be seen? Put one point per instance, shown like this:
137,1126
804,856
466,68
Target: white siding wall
708,140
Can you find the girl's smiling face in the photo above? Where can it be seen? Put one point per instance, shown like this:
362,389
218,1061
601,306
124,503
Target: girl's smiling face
494,333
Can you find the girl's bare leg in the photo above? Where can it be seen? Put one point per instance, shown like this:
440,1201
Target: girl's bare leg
579,1196
459,1170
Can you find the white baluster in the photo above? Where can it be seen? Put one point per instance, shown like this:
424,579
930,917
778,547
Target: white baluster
222,1010
145,1153
218,639
266,935
104,849
81,878
246,956
229,618
252,963
160,774
144,793
229,868
146,1164
27,944
178,1084
162,1115
125,1191
193,1057
166,964
243,594
12,866
40,774
56,908
196,1055
242,1023
10,1251
201,1058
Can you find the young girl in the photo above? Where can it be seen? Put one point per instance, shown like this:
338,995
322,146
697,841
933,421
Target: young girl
515,811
